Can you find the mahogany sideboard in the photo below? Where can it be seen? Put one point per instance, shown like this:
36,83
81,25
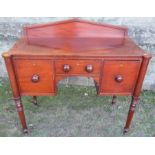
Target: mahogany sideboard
47,53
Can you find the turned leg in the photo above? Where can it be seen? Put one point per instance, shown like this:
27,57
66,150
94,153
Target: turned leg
114,100
21,115
134,102
96,86
34,100
15,90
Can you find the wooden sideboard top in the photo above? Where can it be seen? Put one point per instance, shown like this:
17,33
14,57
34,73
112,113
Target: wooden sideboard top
128,49
76,38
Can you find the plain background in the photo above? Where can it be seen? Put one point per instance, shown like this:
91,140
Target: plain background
78,8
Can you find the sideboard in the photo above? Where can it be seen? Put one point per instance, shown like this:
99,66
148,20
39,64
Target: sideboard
48,53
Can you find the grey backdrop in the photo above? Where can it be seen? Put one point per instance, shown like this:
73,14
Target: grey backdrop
141,30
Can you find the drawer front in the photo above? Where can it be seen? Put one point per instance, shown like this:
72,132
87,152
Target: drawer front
34,76
77,67
119,77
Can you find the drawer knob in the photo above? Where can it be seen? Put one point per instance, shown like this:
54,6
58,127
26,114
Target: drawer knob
119,78
66,68
35,78
89,68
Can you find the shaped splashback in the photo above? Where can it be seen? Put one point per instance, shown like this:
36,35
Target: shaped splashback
75,34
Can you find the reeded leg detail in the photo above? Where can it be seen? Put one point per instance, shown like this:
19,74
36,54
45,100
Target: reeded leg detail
114,100
21,115
34,100
134,102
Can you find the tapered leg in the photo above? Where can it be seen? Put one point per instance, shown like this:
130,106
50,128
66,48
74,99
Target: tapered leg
21,115
114,100
34,100
134,102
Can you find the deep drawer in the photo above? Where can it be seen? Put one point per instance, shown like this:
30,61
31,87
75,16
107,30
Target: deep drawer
34,76
119,77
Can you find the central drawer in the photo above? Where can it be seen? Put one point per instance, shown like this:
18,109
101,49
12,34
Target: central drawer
78,67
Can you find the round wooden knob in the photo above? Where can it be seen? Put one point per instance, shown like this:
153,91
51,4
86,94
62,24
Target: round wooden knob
35,78
89,68
119,78
66,68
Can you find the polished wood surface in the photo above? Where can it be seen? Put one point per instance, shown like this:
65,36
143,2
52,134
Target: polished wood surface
128,49
48,53
119,76
75,34
78,67
26,70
